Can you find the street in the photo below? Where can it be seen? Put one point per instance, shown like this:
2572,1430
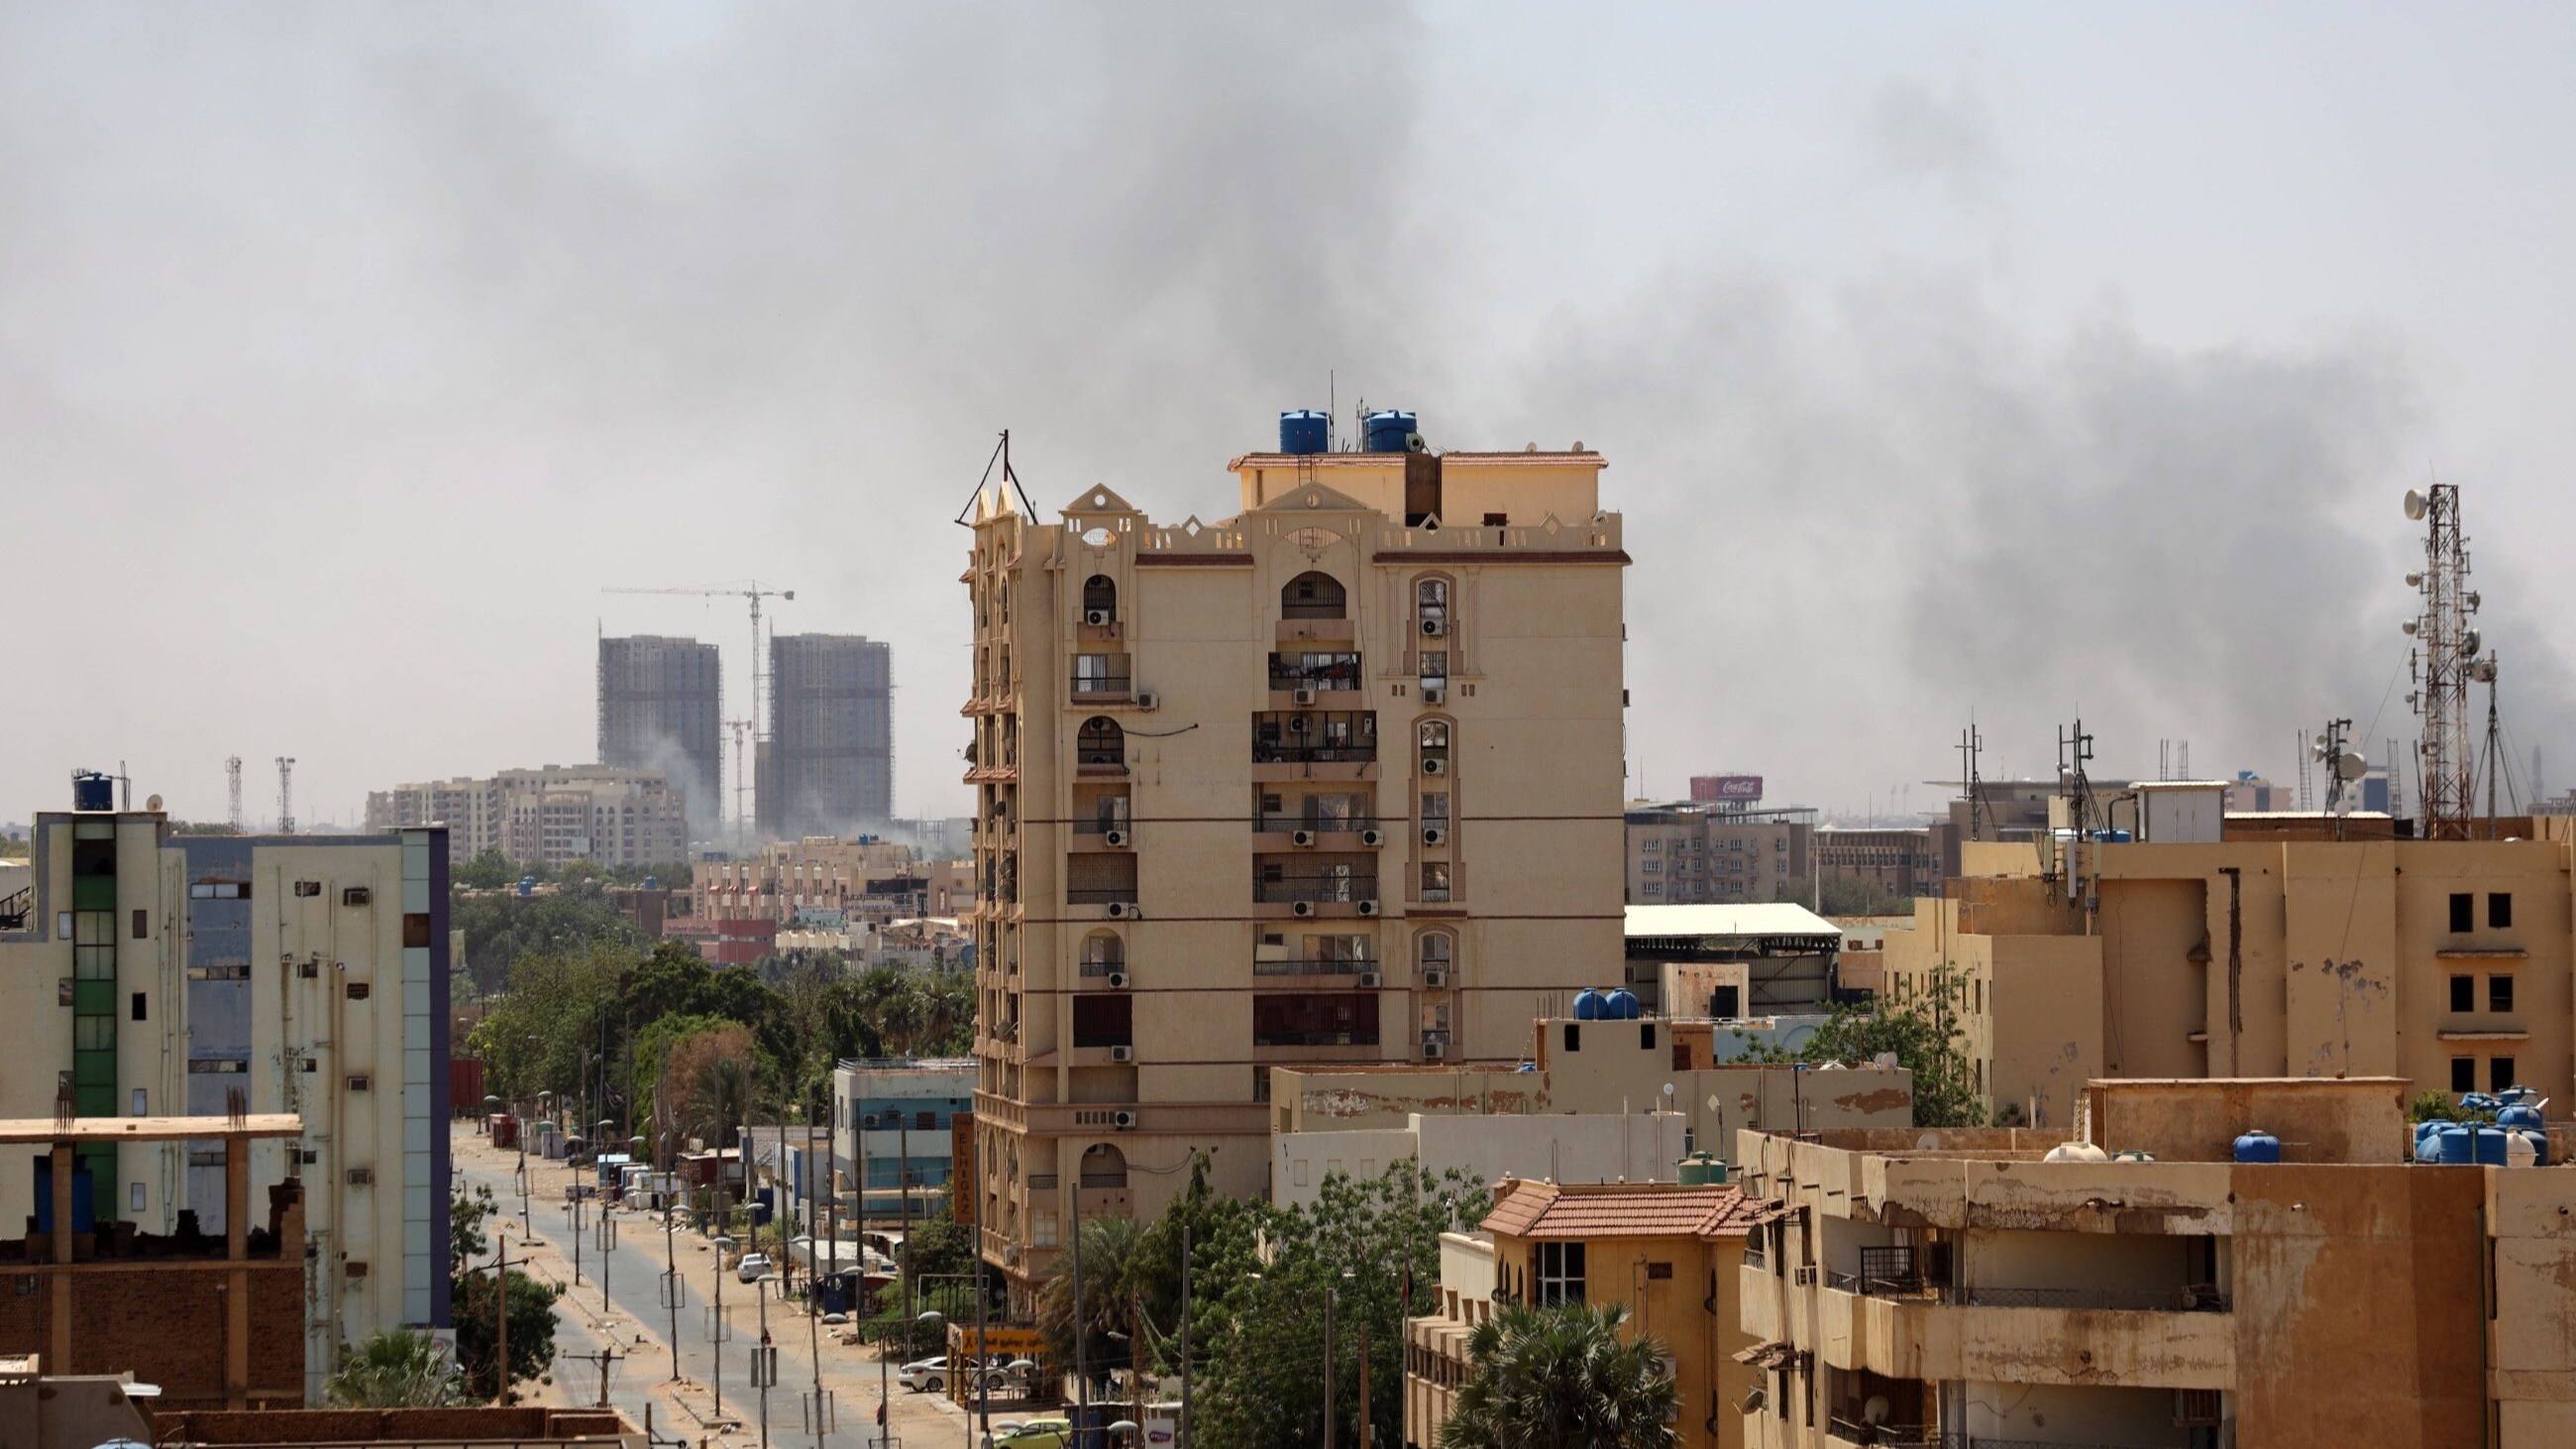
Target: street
631,1323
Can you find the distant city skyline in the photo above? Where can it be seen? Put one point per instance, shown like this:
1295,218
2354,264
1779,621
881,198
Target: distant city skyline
1999,358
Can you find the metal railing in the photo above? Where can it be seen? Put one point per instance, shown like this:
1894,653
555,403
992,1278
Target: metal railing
1294,752
2192,1298
1314,609
1102,827
1093,684
1104,1179
1103,967
1335,889
1315,966
1100,895
1884,1436
1336,674
1324,825
1038,1182
1313,1038
15,908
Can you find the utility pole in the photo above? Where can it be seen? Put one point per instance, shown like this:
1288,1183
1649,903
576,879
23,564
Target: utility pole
671,1273
1365,1441
1329,1296
501,1285
1185,1338
1081,1334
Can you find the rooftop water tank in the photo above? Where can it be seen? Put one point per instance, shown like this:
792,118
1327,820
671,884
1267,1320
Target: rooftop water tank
1622,1005
527,885
2454,1145
2076,1152
1587,1005
1700,1170
1387,432
2519,1150
92,791
2133,1155
2517,1114
2258,1145
2490,1146
1302,431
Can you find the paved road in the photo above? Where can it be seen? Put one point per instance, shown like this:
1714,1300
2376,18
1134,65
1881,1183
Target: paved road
631,1322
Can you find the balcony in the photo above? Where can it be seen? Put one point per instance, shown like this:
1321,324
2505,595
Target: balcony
1325,887
1343,737
1100,895
1318,672
2044,1336
1315,966
1320,826
1101,683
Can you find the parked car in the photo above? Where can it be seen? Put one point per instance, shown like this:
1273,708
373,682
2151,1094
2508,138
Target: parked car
752,1266
1035,1434
928,1375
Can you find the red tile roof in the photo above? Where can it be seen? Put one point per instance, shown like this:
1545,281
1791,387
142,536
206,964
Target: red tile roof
1632,1210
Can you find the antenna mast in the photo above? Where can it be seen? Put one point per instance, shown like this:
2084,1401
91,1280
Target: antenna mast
2446,647
232,779
286,794
1971,745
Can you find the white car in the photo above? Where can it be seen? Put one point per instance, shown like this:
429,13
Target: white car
752,1266
930,1375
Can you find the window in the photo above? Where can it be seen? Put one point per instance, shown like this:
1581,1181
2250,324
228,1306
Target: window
143,925
1100,741
2464,911
219,890
1100,674
1573,1037
2499,909
1324,1019
223,1065
1435,807
2499,994
1435,668
1652,845
230,971
1560,1273
1435,880
1099,596
1312,595
358,990
137,1006
308,888
134,1197
142,1101
2464,1074
1104,1020
1431,598
2500,1073
2464,993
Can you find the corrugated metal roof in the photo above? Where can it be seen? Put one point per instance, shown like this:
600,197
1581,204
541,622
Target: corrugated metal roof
1762,918
1644,1210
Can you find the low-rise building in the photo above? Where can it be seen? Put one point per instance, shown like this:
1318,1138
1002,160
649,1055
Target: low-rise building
815,883
894,1130
1975,1286
555,815
1728,961
159,975
1570,1148
1672,1254
1898,860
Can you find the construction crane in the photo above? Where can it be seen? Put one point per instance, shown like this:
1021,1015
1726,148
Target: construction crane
754,593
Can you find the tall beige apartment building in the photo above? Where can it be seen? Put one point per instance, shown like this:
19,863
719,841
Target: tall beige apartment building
1336,780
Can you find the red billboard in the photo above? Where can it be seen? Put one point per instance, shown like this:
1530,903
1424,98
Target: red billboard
1726,787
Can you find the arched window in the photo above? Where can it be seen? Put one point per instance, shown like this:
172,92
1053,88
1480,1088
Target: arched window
1435,746
1104,1166
1431,605
1436,950
1102,953
1313,595
1100,600
1100,742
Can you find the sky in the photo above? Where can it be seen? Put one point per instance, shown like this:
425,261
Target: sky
2019,362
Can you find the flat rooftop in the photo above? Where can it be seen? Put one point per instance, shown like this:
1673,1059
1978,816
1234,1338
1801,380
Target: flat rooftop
148,1129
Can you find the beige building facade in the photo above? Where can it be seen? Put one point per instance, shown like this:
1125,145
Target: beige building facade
1336,780
1695,852
823,881
550,816
2444,962
158,975
1955,1287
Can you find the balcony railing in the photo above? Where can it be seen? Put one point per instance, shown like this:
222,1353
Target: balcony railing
1887,1436
1294,751
1101,827
2192,1298
1336,673
1042,1182
1322,825
1313,1038
1315,966
1104,1179
1103,1039
1100,684
1103,967
1100,895
1335,889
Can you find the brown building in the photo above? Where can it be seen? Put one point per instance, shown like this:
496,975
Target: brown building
1335,780
1903,861
212,1320
1975,1286
1711,852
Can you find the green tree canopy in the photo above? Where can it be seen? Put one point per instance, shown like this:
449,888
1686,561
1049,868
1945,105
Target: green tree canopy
1562,1377
395,1368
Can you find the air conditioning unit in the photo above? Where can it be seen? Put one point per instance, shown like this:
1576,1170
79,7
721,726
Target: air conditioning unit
356,896
1302,908
1434,835
1368,908
1435,767
1301,837
1435,977
1123,1054
1123,1121
1372,837
1123,910
1299,725
1116,839
1434,628
1433,1051
1804,1277
1303,696
1148,699
1097,618
1434,694
1117,980
362,1177
1370,980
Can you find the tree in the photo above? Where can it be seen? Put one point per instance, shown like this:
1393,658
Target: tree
1854,895
531,1306
1923,1034
490,870
1562,1377
395,1368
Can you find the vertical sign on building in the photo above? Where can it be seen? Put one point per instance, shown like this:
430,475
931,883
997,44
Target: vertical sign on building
961,1165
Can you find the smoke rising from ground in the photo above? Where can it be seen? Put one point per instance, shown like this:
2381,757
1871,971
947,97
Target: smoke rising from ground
369,344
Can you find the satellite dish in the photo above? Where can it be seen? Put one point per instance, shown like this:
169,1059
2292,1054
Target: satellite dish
2483,670
152,802
2408,626
2416,503
2414,581
2351,766
2469,641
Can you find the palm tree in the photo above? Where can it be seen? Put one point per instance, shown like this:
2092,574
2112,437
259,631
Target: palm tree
1562,1377
395,1369
1113,1272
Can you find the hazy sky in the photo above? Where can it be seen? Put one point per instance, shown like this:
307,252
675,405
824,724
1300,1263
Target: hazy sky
2019,359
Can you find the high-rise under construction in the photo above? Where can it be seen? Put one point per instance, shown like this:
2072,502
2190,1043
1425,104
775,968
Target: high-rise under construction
661,707
828,765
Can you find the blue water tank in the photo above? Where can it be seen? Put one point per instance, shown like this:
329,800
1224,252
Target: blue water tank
1388,431
1622,1005
1587,1005
2490,1146
92,791
2455,1144
2518,1113
1302,431
2539,1141
2258,1145
527,885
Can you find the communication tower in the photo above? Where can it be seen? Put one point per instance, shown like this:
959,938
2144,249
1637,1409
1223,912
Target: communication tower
232,779
2446,649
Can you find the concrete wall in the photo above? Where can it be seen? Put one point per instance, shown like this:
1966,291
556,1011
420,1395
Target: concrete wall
1644,1147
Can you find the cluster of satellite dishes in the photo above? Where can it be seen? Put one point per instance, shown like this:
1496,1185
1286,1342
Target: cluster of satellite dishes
2347,765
